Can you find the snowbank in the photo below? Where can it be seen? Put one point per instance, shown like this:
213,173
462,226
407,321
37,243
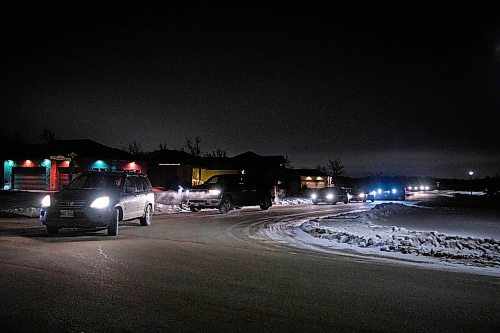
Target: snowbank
357,231
290,201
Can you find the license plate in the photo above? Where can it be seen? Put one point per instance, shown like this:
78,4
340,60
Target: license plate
66,213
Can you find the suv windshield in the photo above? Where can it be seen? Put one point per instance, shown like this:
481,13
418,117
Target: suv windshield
96,181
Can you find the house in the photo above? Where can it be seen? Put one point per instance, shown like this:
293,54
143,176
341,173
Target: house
51,166
299,180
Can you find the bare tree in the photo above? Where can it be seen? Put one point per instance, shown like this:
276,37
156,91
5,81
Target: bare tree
216,153
321,168
288,163
193,146
134,148
335,167
47,135
162,146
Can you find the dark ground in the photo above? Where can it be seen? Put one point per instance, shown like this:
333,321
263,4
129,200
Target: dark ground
204,272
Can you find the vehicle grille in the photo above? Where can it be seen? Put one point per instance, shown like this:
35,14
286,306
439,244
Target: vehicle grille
70,203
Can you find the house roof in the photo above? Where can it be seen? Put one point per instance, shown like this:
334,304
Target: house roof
306,172
83,148
241,161
172,156
251,159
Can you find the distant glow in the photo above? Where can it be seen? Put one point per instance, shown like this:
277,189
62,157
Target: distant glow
6,187
427,188
99,203
319,178
379,191
314,196
308,178
329,196
361,195
394,191
28,163
471,173
373,193
422,188
46,201
410,188
99,164
169,164
45,163
132,166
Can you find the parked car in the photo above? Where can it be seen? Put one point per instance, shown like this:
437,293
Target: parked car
388,192
99,200
226,192
330,195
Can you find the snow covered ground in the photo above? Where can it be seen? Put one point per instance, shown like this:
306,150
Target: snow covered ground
374,233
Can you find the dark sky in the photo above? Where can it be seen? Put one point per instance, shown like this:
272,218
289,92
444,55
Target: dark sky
392,89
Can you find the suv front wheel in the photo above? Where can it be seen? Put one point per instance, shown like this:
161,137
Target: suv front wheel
225,205
266,203
113,225
148,216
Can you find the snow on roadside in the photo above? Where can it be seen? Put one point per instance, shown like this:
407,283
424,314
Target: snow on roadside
170,209
26,211
357,231
290,201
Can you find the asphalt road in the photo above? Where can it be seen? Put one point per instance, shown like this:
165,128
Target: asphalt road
204,272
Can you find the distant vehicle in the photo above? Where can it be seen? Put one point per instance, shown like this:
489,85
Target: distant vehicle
388,192
226,192
416,188
359,194
99,200
330,195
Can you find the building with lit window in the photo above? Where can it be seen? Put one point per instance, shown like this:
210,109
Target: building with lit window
300,180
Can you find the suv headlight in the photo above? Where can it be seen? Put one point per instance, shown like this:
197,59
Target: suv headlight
329,196
314,196
214,192
361,195
46,201
99,203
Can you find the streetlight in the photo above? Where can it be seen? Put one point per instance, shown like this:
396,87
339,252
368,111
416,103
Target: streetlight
471,173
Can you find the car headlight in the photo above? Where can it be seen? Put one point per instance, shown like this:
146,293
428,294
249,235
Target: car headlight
422,188
46,201
100,203
361,195
314,196
394,191
373,193
214,192
379,191
427,188
329,196
410,188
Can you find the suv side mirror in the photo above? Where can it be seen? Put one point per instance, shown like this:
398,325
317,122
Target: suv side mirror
130,190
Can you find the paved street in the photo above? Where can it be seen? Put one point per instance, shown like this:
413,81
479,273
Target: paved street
203,272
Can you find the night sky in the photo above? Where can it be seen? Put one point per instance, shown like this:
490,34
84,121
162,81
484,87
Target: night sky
391,89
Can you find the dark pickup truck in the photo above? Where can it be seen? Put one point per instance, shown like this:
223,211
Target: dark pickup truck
226,192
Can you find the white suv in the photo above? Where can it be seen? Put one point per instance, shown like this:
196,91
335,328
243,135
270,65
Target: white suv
99,200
